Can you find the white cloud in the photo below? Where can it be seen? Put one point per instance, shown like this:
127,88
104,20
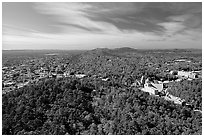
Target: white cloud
81,32
171,28
180,28
74,14
90,41
180,18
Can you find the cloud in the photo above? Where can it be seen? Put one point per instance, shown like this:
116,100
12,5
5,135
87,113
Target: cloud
185,24
38,40
171,28
75,15
114,18
14,30
89,25
66,40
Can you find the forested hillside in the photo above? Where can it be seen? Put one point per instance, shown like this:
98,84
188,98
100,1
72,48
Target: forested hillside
71,106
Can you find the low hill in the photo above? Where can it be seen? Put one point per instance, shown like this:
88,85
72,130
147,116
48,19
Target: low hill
124,49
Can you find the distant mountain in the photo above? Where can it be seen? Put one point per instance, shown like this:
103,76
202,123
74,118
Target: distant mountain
105,52
124,49
111,52
100,51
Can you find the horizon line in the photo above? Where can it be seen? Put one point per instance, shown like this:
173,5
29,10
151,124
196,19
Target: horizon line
103,48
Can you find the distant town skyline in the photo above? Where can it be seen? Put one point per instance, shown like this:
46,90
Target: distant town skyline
79,26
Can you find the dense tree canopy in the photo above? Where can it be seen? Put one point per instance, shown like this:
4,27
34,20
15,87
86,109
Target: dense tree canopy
94,106
71,106
191,91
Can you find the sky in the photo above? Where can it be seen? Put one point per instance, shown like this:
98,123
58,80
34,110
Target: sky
78,26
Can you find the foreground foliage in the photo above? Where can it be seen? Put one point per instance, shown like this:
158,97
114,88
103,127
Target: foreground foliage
191,91
71,106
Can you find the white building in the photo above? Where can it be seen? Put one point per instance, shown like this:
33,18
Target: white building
187,74
105,79
80,75
180,60
153,88
176,100
178,80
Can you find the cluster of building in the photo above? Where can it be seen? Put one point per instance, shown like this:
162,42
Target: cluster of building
14,77
159,88
153,87
182,60
32,71
189,75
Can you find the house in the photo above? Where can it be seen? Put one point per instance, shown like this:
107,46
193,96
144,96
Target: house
180,60
189,79
178,80
176,100
105,79
80,75
187,74
183,74
166,82
153,88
